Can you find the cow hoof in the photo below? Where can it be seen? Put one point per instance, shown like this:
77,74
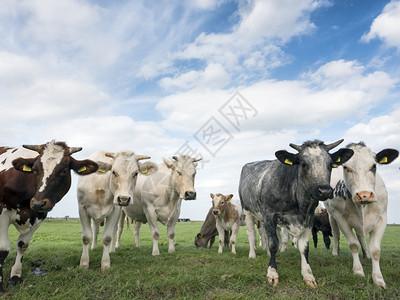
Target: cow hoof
379,282
85,267
15,280
359,273
272,276
105,268
311,283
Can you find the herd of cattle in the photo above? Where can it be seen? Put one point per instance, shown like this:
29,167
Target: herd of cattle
279,197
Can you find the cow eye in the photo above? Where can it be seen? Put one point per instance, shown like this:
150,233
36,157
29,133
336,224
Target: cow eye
373,169
179,172
63,172
115,173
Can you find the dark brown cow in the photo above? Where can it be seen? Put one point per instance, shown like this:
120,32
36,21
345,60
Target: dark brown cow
33,178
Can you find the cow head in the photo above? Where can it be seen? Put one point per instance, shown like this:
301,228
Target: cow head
51,170
184,171
360,171
124,169
314,164
219,203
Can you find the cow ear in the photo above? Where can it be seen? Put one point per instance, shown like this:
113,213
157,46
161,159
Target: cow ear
229,197
341,156
199,236
212,195
386,156
148,168
169,163
287,158
23,164
83,167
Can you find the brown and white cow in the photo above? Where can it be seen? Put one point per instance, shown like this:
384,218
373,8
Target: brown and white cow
101,196
208,232
159,197
227,216
33,178
360,203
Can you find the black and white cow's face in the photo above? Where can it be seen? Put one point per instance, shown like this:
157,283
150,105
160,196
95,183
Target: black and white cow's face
184,172
124,171
360,171
51,171
314,165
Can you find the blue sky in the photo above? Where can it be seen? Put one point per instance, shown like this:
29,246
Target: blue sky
150,76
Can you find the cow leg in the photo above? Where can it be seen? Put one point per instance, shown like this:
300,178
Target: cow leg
363,241
315,237
86,236
327,240
283,236
137,233
263,238
273,243
335,235
353,243
95,232
171,236
5,246
155,231
221,235
107,236
375,251
22,245
306,271
235,230
120,228
251,234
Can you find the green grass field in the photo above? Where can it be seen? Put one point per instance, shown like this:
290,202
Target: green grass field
190,273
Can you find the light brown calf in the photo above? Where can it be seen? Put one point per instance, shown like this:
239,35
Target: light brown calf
227,217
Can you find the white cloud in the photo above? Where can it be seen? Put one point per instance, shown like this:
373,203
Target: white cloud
386,26
213,77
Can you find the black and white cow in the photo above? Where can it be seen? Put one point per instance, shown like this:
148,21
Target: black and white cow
286,192
31,183
360,203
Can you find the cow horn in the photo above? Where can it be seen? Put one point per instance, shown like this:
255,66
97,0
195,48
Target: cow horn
333,145
197,159
74,149
32,147
109,154
139,157
296,147
175,157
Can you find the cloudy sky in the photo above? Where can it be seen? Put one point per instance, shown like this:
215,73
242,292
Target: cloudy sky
233,81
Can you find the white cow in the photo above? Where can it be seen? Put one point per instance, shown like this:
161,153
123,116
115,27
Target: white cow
360,203
159,197
251,220
101,195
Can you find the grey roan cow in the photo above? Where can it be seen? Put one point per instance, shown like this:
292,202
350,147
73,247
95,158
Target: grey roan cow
286,192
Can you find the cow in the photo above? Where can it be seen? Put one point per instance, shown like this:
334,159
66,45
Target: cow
208,232
159,197
33,178
227,216
321,223
251,220
101,196
360,203
286,191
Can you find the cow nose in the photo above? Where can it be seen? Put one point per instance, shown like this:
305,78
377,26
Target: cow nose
325,192
40,205
123,201
365,197
215,212
190,195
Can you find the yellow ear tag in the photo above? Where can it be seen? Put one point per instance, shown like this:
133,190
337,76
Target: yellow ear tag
82,169
288,162
25,168
383,160
334,166
144,171
101,170
338,160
